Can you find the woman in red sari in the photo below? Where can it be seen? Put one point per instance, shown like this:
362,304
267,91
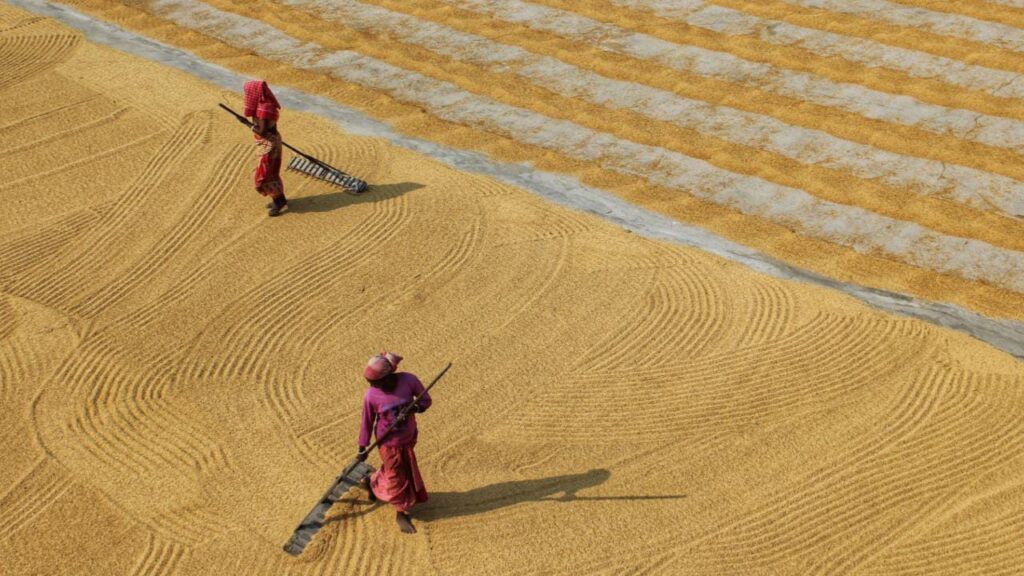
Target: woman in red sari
262,107
398,480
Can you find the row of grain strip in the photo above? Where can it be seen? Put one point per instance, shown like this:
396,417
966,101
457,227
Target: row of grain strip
943,24
973,187
849,226
860,51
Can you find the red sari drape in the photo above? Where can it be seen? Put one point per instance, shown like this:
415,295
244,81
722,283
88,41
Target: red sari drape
398,481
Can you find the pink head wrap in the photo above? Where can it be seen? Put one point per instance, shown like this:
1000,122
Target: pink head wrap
381,365
260,101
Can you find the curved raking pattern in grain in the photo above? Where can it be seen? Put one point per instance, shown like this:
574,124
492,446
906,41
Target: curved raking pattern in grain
671,372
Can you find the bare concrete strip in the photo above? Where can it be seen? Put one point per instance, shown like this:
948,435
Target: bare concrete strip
849,226
1006,335
860,51
975,188
873,104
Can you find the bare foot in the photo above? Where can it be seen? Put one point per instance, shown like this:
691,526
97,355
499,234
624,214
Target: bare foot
405,523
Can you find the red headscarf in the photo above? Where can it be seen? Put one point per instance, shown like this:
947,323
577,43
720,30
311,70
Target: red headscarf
260,101
381,365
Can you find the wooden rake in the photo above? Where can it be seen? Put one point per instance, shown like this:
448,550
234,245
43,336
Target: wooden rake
310,166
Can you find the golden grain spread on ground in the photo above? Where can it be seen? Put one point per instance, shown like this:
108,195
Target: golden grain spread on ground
179,375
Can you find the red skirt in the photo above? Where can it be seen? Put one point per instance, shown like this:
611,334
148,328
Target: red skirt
267,176
398,481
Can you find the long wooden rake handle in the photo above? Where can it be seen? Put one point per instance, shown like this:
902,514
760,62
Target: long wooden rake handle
245,121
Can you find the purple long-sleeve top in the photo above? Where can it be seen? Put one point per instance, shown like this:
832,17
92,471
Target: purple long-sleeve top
385,406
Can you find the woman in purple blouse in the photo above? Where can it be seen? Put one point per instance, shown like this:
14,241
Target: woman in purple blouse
398,480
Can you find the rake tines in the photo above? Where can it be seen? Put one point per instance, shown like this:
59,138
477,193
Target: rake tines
327,174
351,477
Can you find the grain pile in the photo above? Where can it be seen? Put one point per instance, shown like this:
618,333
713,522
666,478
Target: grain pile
179,374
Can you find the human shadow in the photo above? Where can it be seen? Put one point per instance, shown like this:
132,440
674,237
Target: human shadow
356,507
343,198
495,496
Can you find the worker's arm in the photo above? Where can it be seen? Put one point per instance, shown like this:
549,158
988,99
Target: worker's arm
424,402
263,127
365,427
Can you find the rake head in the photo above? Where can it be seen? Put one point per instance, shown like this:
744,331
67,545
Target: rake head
351,477
327,174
